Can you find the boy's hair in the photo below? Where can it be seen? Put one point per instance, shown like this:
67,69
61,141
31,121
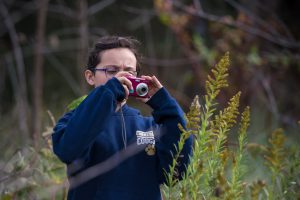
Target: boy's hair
112,42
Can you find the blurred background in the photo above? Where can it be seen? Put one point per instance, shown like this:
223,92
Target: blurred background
44,46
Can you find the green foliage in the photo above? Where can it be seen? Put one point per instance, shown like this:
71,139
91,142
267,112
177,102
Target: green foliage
217,170
283,165
276,152
206,53
34,174
75,103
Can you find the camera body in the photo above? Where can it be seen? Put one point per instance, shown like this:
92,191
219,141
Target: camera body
140,87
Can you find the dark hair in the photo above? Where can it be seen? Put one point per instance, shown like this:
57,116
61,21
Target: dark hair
112,42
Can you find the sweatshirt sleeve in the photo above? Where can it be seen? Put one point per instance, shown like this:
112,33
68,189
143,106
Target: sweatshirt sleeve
168,114
76,131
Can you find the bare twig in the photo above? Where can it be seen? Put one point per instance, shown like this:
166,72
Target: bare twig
104,166
63,10
57,65
282,41
18,15
22,85
260,21
270,100
143,16
12,73
198,5
143,20
2,82
99,6
38,71
82,40
139,11
97,31
171,62
266,9
51,117
149,39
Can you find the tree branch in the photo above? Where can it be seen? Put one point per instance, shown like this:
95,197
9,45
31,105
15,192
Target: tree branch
57,65
171,62
262,22
282,41
22,85
63,10
38,71
99,6
24,11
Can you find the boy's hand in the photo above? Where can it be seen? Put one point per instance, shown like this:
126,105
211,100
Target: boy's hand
121,76
154,86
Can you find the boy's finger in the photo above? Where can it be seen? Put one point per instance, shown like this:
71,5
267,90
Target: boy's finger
126,82
156,82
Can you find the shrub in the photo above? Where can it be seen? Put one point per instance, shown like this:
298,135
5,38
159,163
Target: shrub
34,174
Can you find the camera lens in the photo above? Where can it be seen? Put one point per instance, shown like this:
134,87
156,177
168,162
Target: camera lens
142,89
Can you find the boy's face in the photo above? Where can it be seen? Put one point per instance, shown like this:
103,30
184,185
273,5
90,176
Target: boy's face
119,59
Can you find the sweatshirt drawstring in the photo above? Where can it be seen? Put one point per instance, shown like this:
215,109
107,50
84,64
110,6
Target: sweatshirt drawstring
124,134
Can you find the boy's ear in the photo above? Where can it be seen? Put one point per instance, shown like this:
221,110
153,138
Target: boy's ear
89,77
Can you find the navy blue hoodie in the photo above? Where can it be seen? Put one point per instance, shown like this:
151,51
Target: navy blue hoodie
119,154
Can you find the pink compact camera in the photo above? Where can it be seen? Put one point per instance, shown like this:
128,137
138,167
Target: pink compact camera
140,87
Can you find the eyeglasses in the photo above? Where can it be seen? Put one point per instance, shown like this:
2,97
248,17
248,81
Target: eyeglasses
111,70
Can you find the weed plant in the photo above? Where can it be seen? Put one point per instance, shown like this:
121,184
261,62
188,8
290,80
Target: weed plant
218,171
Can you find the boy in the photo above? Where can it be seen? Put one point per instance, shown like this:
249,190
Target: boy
111,150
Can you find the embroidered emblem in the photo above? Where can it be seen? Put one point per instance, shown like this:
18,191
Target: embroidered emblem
148,139
145,137
150,149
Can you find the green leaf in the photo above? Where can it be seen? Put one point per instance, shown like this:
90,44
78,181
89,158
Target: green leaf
75,103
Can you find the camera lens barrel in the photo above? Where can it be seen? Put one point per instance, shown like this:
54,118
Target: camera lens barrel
142,89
